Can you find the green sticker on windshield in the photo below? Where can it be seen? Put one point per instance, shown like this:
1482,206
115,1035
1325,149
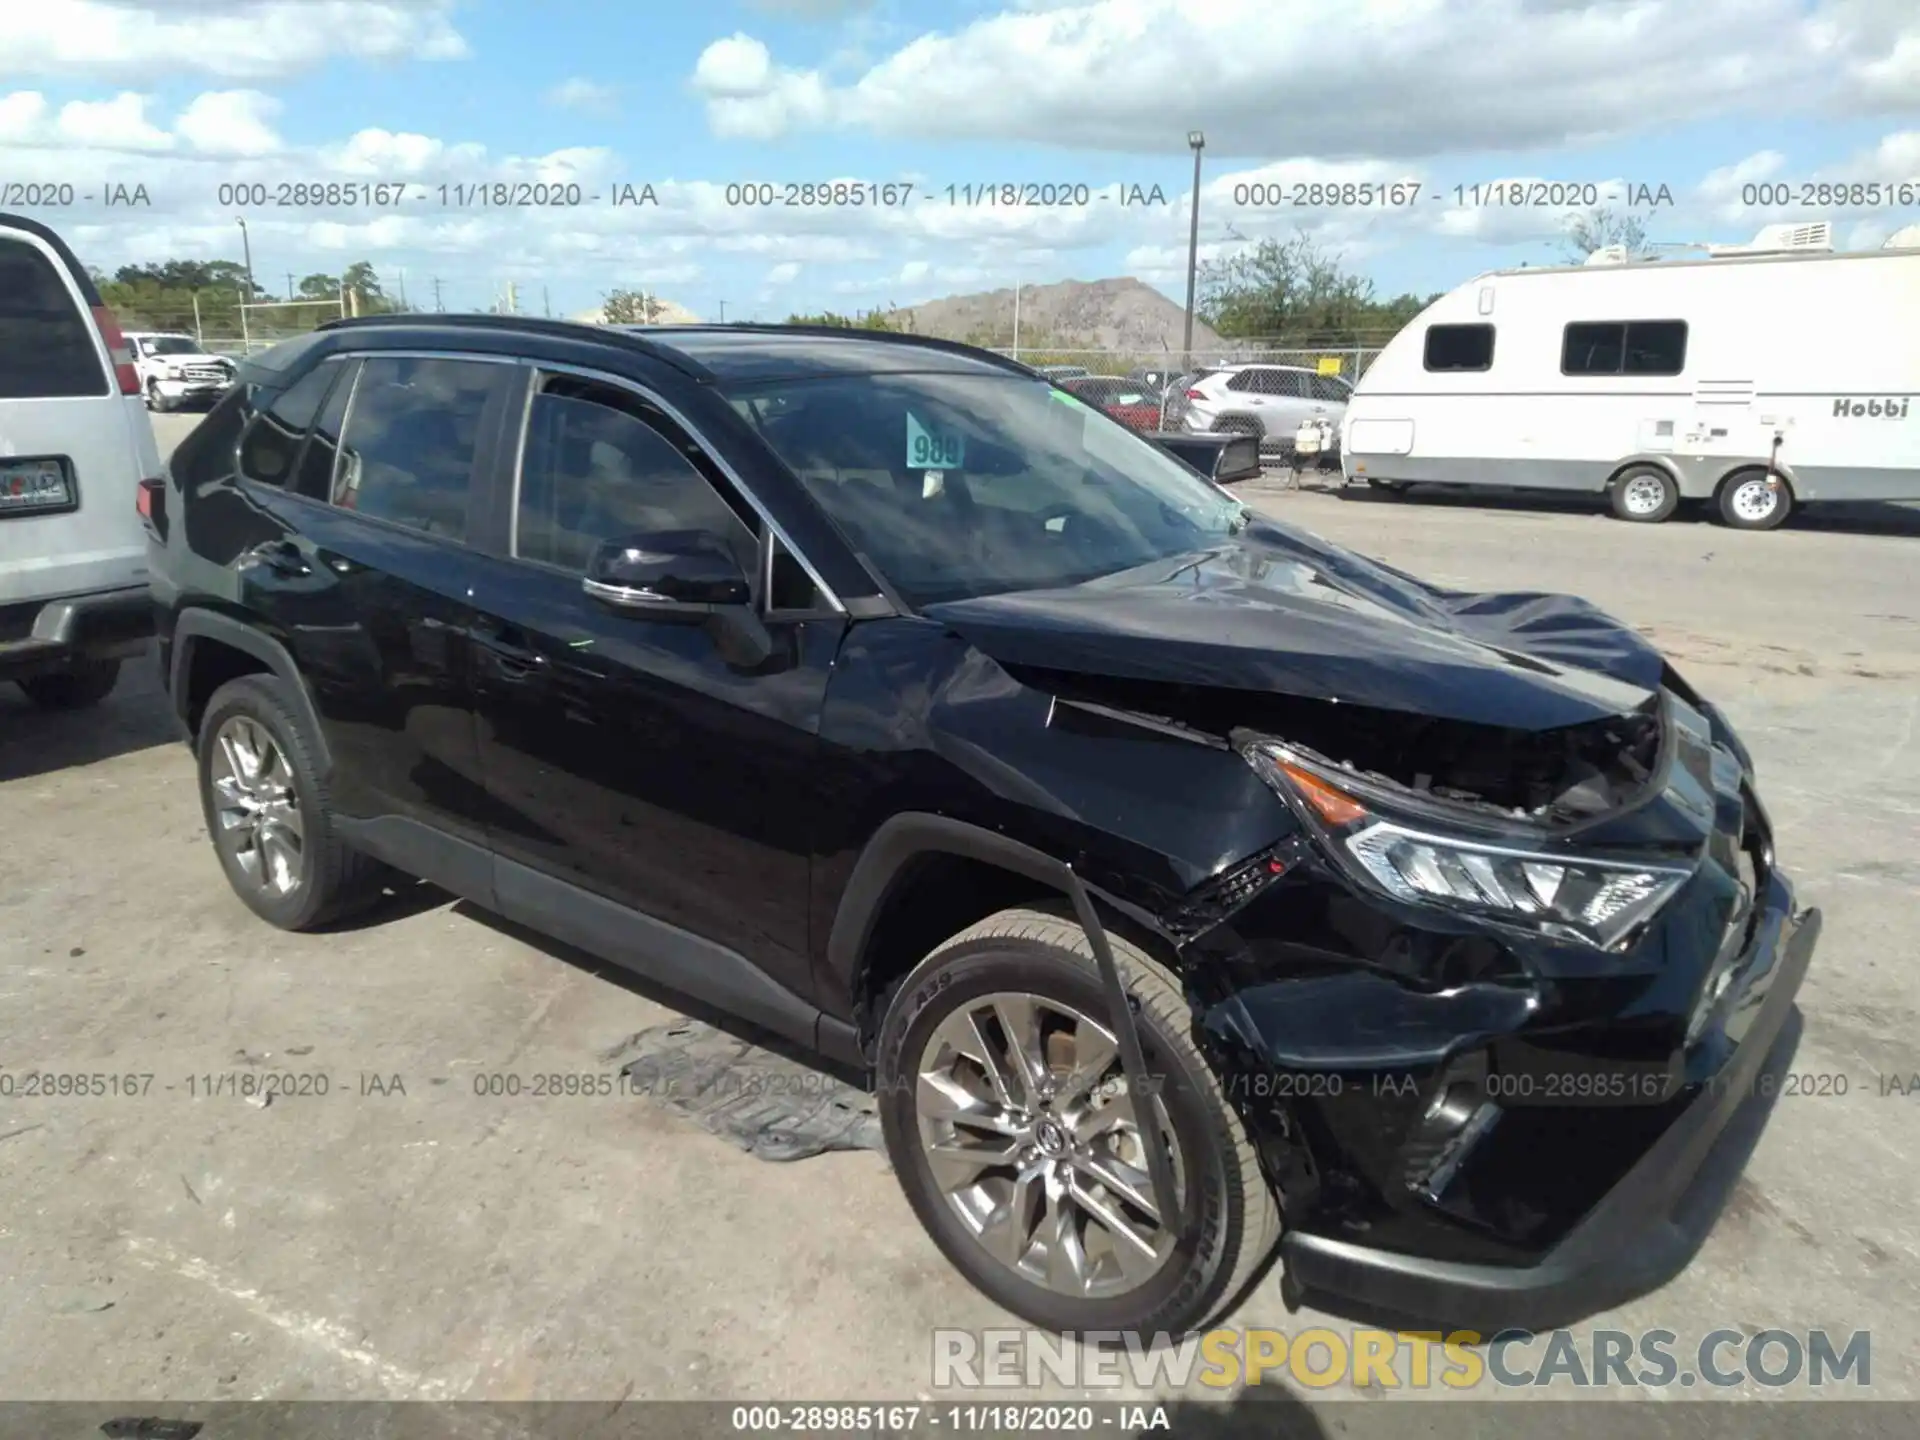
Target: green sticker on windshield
931,449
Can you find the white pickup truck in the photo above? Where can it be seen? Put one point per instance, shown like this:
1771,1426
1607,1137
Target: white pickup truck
175,371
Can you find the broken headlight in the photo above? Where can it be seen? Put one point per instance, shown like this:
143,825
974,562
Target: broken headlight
1567,896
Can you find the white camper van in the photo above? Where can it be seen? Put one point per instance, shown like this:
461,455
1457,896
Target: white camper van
1759,377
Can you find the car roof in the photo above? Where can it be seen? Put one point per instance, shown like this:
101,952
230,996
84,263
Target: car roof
726,355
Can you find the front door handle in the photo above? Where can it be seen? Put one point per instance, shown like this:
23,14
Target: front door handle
514,661
283,557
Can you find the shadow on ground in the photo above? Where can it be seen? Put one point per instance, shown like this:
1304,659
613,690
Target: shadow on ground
134,717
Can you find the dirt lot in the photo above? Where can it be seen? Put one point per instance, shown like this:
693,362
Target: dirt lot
437,1244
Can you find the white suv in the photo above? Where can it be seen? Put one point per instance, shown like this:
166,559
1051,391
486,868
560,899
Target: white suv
175,370
1271,401
77,454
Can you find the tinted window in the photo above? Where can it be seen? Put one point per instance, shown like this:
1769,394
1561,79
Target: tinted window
1288,383
1656,347
320,459
46,340
1633,347
1243,380
407,456
598,468
793,588
207,454
1328,387
272,442
1459,347
1593,349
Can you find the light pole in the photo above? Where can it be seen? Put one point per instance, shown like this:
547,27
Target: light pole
246,248
1198,142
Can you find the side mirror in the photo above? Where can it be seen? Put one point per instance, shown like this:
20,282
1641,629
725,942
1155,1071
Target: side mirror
671,575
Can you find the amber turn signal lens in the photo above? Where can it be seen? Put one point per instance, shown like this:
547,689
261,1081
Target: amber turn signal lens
1328,803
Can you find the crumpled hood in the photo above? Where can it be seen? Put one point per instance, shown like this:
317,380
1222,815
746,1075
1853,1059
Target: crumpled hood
1277,609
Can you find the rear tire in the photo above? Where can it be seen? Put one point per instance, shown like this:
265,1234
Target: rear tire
86,682
1751,500
269,812
1644,494
1090,1280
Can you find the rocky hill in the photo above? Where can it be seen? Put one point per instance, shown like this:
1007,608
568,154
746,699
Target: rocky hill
1119,314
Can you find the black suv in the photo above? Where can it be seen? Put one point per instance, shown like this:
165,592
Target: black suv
1179,878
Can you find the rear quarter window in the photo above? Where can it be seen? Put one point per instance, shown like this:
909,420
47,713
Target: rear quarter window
47,342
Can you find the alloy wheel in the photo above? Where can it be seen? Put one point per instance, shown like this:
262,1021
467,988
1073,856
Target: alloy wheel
256,807
1027,1128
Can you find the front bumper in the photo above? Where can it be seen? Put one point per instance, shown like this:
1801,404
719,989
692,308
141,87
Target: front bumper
1496,1127
46,636
1647,1227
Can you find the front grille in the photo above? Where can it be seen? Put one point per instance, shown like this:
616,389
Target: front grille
206,374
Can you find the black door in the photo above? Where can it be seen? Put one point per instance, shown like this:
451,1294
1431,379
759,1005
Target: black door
368,581
659,766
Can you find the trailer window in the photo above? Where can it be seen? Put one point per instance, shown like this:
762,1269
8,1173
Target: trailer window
1459,347
1629,347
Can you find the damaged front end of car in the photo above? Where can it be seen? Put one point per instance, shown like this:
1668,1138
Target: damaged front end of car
1496,996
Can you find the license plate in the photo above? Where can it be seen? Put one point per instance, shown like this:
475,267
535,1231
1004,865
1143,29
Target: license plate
30,486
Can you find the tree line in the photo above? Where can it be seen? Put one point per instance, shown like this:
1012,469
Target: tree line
204,297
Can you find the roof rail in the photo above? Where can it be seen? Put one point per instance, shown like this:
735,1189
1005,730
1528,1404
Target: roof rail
894,337
526,324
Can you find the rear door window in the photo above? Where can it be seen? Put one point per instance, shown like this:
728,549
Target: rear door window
48,345
272,442
412,433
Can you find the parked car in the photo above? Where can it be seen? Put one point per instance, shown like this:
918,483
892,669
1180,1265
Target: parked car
1270,401
75,448
177,370
1155,382
1164,866
1122,399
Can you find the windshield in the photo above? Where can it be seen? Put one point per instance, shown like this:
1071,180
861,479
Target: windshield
961,485
173,345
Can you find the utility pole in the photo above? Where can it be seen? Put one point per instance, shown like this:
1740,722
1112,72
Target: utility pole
1199,142
438,307
403,290
289,285
546,302
246,246
723,312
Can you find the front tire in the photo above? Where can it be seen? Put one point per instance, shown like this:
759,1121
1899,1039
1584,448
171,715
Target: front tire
1644,494
268,811
155,400
1754,500
86,682
1023,1162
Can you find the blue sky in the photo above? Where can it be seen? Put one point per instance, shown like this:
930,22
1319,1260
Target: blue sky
1735,107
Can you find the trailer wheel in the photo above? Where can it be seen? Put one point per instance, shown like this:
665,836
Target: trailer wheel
1392,487
1754,500
1645,494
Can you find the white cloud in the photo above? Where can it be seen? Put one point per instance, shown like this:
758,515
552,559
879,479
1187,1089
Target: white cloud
750,98
579,93
235,39
1432,76
783,273
230,122
117,124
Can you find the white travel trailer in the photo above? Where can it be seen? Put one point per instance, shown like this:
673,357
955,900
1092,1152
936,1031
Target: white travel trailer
1759,377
